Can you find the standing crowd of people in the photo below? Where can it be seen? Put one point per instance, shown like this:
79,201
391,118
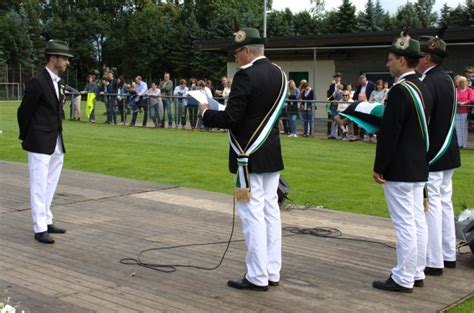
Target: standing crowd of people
121,99
300,104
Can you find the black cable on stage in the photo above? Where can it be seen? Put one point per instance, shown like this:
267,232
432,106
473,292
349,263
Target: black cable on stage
325,232
332,233
170,268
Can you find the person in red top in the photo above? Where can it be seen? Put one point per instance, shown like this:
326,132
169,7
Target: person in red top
465,96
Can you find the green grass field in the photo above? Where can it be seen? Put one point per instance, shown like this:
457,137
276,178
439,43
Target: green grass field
465,307
335,175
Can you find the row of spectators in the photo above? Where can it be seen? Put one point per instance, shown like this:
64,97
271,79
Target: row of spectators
121,98
136,97
340,95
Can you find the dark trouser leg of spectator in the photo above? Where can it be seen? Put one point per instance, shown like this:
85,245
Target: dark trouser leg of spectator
192,116
329,124
106,104
134,118
135,113
114,109
183,116
145,115
92,116
292,120
110,109
305,123
170,114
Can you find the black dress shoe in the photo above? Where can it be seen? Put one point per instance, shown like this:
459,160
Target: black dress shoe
245,284
44,237
390,285
450,264
419,283
53,229
273,283
433,271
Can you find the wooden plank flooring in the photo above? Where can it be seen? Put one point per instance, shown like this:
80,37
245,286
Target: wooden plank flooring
109,218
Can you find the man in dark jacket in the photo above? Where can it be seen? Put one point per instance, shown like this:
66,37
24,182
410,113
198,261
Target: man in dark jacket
40,118
401,164
364,86
443,156
258,93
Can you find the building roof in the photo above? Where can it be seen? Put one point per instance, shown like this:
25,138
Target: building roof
452,36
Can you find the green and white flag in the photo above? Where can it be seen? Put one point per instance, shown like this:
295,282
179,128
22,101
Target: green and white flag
365,114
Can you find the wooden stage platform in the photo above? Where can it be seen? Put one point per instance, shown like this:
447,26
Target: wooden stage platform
109,218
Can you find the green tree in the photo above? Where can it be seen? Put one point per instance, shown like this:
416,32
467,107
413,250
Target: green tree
347,21
424,12
406,17
280,23
305,24
366,20
469,9
445,13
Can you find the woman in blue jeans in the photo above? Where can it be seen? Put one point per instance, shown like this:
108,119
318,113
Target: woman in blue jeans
306,95
292,108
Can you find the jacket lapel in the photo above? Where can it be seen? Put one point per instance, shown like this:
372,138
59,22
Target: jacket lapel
51,86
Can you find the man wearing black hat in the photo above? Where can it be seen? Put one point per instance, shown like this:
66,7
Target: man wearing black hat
443,157
40,118
258,94
401,165
330,95
333,87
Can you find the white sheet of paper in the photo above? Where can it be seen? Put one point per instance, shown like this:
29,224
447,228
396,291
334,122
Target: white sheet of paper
202,98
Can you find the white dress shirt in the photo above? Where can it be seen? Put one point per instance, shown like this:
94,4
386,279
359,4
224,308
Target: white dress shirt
56,79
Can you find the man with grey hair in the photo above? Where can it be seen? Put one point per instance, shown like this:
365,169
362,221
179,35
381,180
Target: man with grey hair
364,85
257,96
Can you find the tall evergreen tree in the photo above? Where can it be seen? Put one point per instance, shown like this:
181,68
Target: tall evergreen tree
406,17
347,22
366,20
380,16
469,5
423,9
445,13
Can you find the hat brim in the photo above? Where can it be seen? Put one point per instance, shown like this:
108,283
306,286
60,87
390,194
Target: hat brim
62,53
252,41
407,52
439,53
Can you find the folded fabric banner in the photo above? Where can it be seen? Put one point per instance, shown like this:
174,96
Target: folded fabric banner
365,114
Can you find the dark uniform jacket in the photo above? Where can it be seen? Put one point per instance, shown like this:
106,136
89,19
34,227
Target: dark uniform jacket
332,89
441,88
254,91
401,150
40,115
368,90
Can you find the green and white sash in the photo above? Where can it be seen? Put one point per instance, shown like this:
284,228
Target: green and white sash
449,135
417,97
242,178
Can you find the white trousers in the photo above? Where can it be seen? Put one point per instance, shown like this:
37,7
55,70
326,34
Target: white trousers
44,176
405,204
261,226
440,220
